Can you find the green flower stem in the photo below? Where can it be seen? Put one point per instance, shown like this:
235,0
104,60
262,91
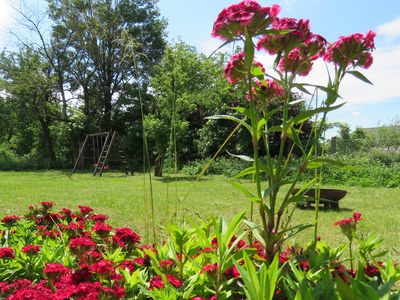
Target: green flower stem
351,254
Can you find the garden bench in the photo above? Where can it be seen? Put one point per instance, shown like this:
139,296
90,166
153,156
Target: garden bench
328,197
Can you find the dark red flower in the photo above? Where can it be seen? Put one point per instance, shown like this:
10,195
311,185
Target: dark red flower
232,272
371,270
98,217
166,263
128,264
54,271
210,268
47,204
85,209
174,281
103,267
127,236
7,253
101,229
10,220
82,244
30,249
156,283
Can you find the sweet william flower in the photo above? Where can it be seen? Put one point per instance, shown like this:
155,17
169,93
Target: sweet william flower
357,216
47,204
30,249
7,253
156,283
174,281
352,50
85,209
9,220
298,35
246,16
235,69
265,91
54,271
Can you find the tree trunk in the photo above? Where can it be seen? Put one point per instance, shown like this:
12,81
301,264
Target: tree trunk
158,166
106,119
45,123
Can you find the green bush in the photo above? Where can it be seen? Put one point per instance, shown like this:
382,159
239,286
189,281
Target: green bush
368,171
227,166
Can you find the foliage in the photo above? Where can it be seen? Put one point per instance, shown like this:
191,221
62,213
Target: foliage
222,165
78,255
367,170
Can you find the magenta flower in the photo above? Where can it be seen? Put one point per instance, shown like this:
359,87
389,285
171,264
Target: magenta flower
299,34
352,50
235,69
265,91
357,216
247,15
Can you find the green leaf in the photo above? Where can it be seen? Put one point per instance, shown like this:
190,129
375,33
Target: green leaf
360,76
304,116
319,162
301,88
241,188
345,291
232,118
245,172
248,52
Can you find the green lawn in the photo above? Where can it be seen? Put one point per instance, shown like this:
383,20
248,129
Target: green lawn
122,198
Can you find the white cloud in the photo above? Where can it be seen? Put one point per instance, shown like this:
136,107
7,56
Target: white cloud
355,114
210,45
390,30
7,18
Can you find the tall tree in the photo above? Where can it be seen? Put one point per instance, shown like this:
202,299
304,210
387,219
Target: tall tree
101,34
28,82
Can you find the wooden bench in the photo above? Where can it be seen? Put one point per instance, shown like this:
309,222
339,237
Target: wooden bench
328,197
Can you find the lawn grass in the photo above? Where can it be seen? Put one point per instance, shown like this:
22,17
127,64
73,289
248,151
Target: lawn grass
122,199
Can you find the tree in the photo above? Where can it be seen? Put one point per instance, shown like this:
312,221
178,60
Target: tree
187,87
28,81
105,65
388,137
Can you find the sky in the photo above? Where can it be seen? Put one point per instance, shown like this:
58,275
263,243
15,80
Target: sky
367,106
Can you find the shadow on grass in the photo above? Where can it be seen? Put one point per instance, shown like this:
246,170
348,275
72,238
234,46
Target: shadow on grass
321,208
169,179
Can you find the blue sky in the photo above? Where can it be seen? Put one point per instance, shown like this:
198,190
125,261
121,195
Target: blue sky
368,106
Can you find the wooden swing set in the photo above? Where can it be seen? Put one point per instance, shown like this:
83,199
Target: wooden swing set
102,145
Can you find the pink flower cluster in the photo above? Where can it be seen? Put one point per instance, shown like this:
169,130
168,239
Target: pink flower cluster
235,70
246,16
352,50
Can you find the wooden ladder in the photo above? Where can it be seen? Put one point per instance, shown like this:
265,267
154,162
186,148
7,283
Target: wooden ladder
99,167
